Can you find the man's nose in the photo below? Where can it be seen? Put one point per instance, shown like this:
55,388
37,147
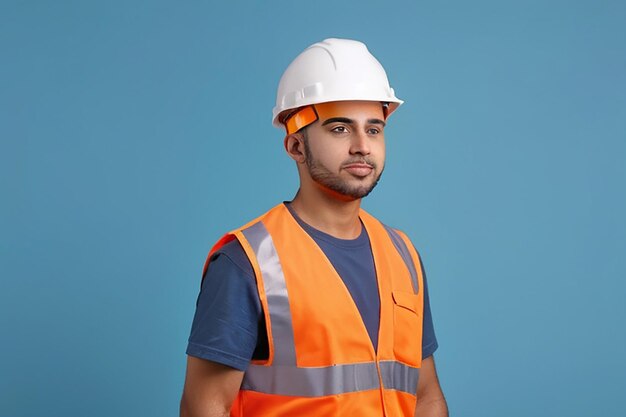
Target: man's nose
360,143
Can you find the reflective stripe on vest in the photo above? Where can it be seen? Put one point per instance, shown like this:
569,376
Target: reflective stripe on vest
400,245
284,377
399,376
276,292
330,380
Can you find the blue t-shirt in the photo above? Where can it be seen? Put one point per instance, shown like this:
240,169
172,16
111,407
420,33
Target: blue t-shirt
229,325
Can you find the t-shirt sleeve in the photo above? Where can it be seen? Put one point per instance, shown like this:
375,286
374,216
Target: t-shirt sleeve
429,340
226,322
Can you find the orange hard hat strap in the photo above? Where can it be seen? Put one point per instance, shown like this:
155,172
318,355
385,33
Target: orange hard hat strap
301,118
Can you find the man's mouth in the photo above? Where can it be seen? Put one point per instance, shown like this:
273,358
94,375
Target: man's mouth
359,169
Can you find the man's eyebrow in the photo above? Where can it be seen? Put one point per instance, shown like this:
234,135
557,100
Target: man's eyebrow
338,119
350,121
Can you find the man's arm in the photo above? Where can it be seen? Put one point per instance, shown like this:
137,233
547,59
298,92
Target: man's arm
210,389
430,399
224,334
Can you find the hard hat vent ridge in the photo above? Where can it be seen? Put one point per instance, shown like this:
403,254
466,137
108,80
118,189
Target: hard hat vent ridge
330,55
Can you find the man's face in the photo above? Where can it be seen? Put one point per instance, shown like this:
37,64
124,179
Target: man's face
345,147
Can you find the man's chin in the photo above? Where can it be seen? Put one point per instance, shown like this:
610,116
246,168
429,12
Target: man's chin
360,192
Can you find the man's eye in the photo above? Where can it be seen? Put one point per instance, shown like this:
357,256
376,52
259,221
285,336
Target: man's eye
373,131
339,129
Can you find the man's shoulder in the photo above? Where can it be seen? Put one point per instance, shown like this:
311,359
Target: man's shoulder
228,245
231,249
398,236
235,254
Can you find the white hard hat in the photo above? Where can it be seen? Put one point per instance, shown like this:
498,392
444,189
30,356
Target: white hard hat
332,70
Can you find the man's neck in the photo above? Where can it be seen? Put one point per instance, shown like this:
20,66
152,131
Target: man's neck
324,212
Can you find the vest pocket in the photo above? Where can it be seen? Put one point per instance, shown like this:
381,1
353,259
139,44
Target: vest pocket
407,332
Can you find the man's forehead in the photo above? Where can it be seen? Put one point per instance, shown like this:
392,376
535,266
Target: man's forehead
356,110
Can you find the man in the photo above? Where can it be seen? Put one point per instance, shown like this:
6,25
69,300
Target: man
316,308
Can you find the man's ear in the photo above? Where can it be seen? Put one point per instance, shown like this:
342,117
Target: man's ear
294,145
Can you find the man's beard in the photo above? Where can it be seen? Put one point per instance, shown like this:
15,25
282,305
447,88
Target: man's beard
323,176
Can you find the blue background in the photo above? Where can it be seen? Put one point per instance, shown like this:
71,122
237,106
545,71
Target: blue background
133,134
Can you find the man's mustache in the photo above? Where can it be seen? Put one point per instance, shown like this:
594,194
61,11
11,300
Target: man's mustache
360,160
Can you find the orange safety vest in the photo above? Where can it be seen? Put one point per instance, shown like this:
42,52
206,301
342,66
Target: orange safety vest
321,359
